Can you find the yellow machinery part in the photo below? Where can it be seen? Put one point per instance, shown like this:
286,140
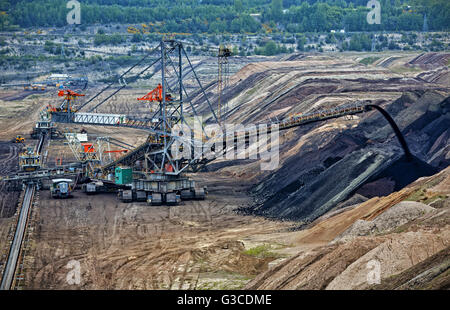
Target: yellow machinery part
131,29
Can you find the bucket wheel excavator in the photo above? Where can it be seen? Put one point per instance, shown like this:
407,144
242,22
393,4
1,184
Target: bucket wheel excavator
162,178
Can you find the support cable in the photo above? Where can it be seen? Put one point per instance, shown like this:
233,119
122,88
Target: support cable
120,77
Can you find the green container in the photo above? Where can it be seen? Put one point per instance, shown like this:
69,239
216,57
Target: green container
124,175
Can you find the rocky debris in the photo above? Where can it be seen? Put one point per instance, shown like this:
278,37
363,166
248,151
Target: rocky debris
333,185
431,274
313,271
394,255
394,217
307,201
345,265
327,230
406,238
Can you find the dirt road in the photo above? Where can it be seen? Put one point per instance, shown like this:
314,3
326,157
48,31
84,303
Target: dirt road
8,163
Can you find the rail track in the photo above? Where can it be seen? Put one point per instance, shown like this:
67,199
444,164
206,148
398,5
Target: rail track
15,250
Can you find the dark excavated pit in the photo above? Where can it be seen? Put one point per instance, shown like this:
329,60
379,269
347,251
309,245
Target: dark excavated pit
363,172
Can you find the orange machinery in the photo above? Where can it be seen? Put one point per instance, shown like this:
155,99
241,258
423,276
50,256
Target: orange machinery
156,95
69,97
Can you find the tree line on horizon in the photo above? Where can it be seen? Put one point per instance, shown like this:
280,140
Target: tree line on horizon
238,16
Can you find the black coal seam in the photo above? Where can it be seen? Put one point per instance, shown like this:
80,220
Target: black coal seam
394,126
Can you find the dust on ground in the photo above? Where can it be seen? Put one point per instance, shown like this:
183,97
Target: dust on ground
198,244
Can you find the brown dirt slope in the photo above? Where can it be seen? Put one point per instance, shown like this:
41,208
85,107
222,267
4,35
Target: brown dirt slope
431,274
404,249
315,270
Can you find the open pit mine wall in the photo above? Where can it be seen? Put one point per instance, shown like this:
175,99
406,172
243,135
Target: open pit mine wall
322,176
